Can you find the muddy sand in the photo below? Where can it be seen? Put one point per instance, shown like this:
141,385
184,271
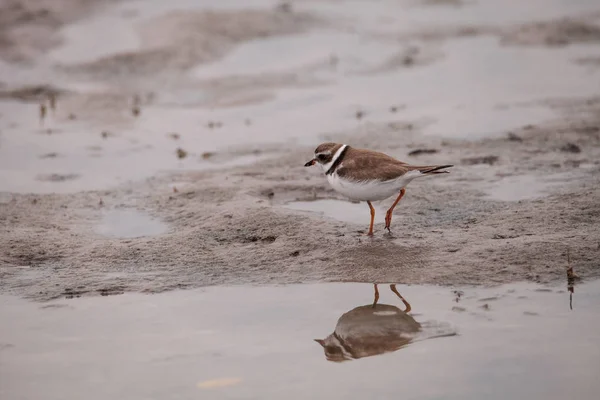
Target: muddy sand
174,157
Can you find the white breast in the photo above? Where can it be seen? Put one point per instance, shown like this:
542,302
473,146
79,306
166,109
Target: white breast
370,190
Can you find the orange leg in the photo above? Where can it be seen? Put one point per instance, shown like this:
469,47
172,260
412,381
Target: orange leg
408,308
376,298
388,214
372,218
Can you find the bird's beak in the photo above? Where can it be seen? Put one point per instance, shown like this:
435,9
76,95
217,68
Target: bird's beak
311,162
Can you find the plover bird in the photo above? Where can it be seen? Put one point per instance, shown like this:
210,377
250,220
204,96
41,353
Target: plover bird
367,175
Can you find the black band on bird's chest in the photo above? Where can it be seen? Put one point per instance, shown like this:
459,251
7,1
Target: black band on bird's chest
337,162
343,343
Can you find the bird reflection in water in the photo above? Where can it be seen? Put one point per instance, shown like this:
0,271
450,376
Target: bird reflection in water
370,330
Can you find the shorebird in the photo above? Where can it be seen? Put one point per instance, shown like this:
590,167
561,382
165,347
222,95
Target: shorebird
367,175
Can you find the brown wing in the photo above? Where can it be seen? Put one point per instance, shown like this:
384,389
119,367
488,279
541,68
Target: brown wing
362,165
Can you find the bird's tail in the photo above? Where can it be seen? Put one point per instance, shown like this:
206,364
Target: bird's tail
433,169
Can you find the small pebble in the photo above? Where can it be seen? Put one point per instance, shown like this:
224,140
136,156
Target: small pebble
181,153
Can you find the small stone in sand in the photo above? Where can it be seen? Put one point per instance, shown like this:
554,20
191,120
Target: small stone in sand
56,177
49,155
42,112
181,153
571,148
513,137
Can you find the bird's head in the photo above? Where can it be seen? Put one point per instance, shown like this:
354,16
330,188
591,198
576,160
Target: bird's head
324,154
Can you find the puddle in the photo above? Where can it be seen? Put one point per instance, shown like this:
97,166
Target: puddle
129,224
123,20
470,90
420,13
259,342
127,154
515,188
340,210
524,187
120,38
280,54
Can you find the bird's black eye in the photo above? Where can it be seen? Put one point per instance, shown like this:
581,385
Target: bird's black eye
322,157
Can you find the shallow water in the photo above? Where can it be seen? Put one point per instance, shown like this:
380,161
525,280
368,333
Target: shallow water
338,209
129,224
513,341
78,148
515,188
468,89
462,88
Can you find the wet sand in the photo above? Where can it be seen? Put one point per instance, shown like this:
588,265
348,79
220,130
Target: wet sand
174,156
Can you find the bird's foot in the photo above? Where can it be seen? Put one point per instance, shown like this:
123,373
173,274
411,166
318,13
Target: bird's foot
388,221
